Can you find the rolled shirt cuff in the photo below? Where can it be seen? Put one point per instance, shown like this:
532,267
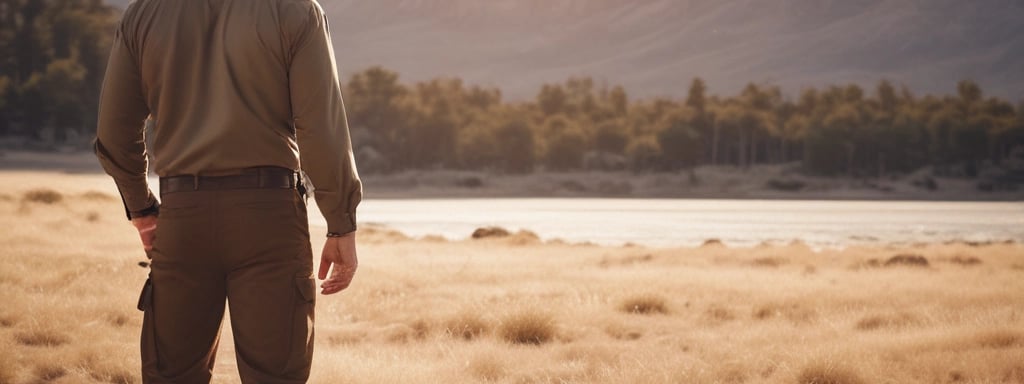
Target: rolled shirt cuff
152,210
138,199
343,224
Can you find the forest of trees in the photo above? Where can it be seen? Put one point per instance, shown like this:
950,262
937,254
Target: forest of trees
52,54
836,130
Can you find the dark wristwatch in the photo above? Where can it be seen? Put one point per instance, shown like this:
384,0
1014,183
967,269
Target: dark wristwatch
334,234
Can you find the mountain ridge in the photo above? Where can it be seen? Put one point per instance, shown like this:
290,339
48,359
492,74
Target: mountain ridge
655,47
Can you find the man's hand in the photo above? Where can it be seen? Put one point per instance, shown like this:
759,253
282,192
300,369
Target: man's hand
147,230
340,251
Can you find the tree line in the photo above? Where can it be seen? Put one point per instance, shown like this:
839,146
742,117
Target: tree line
53,54
581,125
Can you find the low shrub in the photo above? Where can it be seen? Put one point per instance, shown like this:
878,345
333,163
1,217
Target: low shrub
43,196
910,260
827,374
528,328
489,232
644,304
466,326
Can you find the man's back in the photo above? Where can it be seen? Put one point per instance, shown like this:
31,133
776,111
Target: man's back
216,74
229,84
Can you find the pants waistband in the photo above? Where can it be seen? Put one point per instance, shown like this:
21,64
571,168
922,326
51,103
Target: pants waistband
248,178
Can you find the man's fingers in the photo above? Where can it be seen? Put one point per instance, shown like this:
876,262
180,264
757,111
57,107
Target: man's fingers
147,242
341,278
334,288
336,280
147,232
325,265
331,290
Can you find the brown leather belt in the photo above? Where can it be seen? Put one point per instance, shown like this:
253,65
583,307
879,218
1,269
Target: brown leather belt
249,178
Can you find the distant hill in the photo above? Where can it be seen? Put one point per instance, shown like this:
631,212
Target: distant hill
655,47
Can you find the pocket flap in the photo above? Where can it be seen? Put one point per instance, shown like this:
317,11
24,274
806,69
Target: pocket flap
306,287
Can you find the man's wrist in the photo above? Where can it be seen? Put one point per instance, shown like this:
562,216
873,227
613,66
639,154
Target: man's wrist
152,210
341,224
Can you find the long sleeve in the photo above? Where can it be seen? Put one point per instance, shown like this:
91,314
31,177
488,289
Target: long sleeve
120,143
321,128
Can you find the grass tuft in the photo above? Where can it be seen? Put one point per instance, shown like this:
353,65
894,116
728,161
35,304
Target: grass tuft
345,337
827,374
490,232
622,332
769,262
43,195
999,339
967,261
793,312
527,328
421,328
907,259
466,326
719,314
50,372
712,243
644,304
625,261
404,333
7,321
117,376
875,322
766,312
97,196
118,319
39,338
956,377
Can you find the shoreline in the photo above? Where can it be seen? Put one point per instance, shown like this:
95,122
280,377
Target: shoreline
528,237
761,182
94,188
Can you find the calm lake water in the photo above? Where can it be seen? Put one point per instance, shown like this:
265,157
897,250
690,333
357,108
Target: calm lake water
688,222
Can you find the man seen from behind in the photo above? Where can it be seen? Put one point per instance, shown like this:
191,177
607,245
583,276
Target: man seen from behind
242,95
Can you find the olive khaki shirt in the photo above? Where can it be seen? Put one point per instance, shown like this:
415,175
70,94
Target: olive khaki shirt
228,84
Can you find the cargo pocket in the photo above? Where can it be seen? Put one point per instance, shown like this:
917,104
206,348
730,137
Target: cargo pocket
301,355
148,343
307,289
146,296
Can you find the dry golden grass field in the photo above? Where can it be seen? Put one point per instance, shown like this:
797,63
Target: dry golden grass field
515,310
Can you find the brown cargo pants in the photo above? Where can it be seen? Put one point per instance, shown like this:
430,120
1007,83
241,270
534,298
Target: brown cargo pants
249,246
